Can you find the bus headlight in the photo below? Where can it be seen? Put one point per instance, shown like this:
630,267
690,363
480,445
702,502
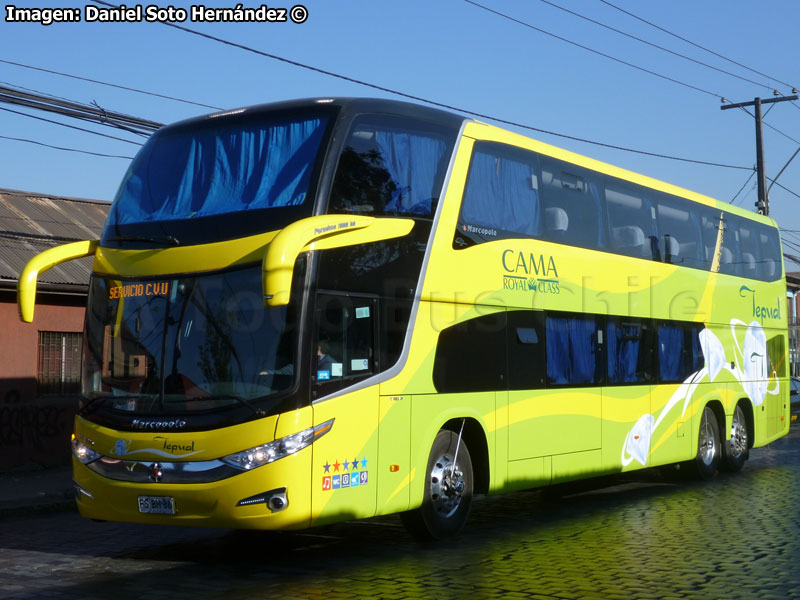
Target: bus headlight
82,449
285,446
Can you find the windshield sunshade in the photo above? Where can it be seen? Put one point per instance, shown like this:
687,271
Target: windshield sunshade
186,174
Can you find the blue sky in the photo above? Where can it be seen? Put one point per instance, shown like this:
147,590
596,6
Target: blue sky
449,51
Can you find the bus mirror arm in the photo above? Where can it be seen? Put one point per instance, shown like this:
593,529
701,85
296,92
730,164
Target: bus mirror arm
26,287
322,232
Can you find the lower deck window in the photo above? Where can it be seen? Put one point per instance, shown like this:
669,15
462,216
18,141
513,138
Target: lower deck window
517,350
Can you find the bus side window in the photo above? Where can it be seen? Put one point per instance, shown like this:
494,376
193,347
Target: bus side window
730,262
501,197
344,346
471,356
679,237
390,166
679,351
574,350
527,368
572,201
776,355
631,223
629,350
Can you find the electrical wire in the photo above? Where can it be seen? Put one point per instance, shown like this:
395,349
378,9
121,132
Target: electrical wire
662,48
27,89
70,126
775,129
114,85
784,188
85,112
433,102
16,139
683,39
592,50
743,186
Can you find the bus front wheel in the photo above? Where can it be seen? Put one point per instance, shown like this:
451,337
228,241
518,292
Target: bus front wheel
708,456
448,490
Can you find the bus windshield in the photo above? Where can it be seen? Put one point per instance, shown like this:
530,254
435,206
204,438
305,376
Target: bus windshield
193,183
186,344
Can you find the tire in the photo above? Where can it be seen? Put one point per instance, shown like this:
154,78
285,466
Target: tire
446,501
736,451
709,452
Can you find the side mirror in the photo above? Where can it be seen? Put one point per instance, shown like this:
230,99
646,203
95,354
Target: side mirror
26,287
320,233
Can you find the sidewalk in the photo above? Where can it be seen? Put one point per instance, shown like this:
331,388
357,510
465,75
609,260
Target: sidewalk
25,492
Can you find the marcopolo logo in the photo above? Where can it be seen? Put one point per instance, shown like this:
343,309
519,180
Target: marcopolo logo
761,311
529,272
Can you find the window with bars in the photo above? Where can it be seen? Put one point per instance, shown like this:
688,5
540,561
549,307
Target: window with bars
59,369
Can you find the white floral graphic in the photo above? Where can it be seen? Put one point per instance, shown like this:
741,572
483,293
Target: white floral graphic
637,444
750,369
713,353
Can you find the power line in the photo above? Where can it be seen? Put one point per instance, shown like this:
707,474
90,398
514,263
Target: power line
592,50
6,137
433,102
775,129
784,188
27,89
742,188
651,44
668,32
85,112
114,85
70,126
794,246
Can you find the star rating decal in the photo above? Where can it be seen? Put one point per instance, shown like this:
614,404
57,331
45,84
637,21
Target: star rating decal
353,478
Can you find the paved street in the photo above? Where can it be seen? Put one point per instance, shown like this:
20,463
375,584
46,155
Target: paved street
737,536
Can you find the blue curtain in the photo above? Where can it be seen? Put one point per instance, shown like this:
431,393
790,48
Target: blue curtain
215,171
571,349
500,194
412,161
670,353
623,352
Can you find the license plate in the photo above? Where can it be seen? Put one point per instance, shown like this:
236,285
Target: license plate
159,505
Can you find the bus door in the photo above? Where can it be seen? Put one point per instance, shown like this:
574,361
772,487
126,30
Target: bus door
344,356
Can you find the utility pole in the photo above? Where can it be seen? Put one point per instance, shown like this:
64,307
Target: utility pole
762,204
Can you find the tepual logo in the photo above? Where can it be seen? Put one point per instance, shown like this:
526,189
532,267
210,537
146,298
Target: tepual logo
121,447
761,312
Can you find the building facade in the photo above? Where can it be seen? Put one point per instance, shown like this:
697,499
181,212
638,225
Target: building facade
40,362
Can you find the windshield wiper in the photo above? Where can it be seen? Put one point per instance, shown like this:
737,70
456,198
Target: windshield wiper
169,239
243,401
84,409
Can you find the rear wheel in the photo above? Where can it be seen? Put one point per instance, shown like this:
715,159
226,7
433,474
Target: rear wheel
736,451
708,456
448,490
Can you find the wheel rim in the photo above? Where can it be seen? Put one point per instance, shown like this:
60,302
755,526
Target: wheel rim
738,434
707,444
447,486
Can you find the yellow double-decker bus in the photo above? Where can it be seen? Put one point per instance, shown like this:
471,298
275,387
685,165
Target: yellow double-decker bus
321,310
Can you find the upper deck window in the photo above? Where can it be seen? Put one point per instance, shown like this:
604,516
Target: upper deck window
391,166
186,174
516,193
501,198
